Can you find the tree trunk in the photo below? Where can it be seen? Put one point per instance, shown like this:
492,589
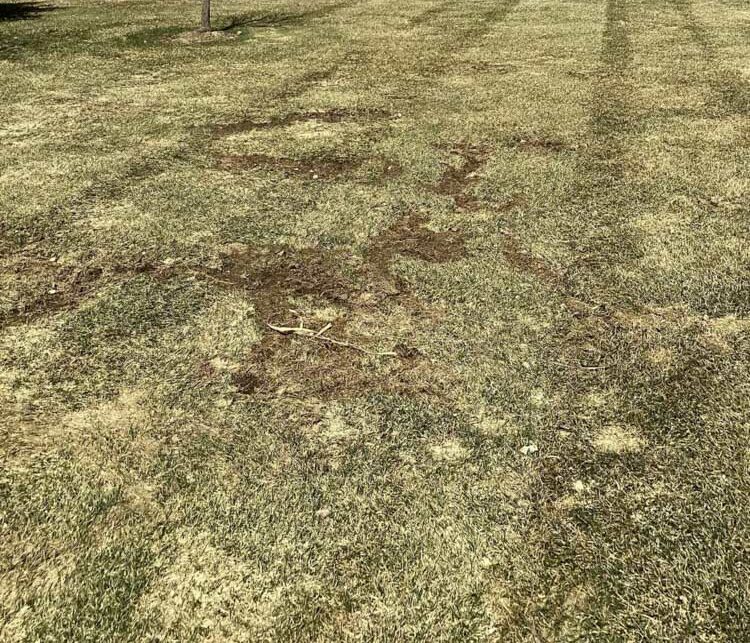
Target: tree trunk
206,16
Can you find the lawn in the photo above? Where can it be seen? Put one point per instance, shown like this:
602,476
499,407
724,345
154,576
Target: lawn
505,246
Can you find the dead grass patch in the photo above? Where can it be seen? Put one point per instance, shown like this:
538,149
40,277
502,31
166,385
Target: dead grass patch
618,439
450,451
531,143
328,116
199,591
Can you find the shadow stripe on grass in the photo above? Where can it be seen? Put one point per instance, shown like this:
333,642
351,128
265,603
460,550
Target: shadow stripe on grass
730,91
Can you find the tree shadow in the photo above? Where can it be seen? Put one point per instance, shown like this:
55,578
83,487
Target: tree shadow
23,10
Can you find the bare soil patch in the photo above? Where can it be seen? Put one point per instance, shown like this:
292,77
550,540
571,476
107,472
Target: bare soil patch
524,261
313,168
274,276
295,367
64,287
410,237
361,288
457,180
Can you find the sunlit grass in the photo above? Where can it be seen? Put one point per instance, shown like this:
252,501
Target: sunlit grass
540,207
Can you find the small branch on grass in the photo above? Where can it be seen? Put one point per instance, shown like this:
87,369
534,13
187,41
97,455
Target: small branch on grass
301,331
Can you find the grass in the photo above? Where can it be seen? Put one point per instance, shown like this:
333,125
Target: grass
541,207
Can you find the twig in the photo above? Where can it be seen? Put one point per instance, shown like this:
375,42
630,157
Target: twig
319,334
325,328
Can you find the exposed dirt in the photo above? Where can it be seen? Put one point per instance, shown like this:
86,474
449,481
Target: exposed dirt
63,287
410,237
329,116
59,288
309,369
523,261
360,289
457,180
246,382
313,168
275,276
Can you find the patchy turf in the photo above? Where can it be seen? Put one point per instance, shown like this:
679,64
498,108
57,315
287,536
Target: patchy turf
525,223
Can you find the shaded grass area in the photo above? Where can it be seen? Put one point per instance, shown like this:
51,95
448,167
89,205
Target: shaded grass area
539,208
23,10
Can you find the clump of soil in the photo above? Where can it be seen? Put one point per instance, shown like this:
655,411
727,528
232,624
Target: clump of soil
312,168
457,180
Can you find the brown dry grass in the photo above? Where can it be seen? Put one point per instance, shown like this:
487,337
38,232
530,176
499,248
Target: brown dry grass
539,207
